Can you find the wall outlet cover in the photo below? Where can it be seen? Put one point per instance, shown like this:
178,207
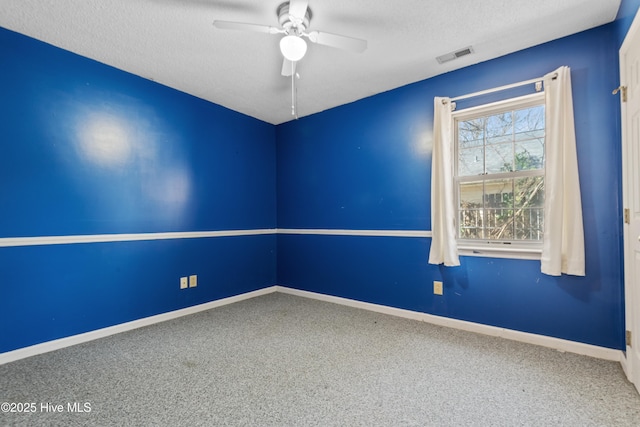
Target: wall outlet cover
184,284
437,287
193,281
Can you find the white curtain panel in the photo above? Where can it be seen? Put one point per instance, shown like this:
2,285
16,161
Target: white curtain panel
563,241
444,248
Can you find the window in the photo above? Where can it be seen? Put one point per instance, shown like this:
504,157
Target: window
499,175
504,179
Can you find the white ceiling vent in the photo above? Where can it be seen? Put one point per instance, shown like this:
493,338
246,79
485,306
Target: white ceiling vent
455,55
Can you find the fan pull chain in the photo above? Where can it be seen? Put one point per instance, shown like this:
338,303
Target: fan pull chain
296,96
294,91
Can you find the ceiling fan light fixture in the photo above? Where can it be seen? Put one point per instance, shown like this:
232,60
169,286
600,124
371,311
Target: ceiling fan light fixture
293,47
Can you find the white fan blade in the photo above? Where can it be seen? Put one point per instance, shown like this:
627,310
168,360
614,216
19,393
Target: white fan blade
341,42
228,25
288,67
298,8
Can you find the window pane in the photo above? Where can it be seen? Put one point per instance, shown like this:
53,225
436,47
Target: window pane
470,224
529,192
529,203
471,195
471,133
499,158
499,208
529,154
529,224
500,128
498,193
499,224
529,123
471,210
471,161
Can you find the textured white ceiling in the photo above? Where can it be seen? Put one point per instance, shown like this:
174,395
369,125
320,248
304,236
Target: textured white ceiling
174,42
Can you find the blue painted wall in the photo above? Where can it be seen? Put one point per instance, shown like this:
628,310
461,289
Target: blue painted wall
88,149
367,165
626,13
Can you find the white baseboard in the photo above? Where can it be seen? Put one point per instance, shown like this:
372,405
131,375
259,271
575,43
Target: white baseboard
541,340
48,346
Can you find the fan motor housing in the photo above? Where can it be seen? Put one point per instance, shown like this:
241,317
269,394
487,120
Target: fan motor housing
285,19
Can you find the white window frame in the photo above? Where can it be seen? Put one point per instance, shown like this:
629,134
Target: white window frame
495,248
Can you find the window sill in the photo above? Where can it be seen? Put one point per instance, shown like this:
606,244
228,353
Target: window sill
506,251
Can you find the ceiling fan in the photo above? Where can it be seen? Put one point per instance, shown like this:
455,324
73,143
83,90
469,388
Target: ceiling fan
294,17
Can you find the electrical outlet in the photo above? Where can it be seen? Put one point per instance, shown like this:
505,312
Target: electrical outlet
184,284
193,281
437,287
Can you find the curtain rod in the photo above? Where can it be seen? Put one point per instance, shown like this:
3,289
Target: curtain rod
497,89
